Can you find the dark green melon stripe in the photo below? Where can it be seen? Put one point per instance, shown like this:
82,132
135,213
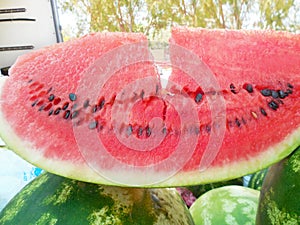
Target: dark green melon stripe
257,179
280,193
59,197
55,200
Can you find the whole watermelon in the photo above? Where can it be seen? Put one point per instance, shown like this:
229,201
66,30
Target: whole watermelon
227,205
280,193
52,199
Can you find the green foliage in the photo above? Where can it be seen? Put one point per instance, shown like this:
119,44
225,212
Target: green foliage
152,17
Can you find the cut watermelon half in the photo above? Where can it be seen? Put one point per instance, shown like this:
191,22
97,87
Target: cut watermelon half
94,109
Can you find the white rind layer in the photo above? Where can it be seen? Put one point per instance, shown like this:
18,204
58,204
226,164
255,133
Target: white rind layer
82,171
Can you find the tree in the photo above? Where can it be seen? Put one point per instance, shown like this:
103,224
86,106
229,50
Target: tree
154,16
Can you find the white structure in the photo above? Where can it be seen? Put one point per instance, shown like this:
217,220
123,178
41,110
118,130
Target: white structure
26,25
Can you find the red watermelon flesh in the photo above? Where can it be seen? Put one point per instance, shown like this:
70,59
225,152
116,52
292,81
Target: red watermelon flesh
127,130
258,77
49,80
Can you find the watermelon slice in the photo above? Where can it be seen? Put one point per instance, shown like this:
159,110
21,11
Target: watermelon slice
94,109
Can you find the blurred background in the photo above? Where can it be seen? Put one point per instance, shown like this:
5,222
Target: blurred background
155,18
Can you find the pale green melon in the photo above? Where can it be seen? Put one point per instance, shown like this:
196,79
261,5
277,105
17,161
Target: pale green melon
228,205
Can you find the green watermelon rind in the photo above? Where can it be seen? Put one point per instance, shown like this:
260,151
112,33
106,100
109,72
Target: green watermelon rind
51,199
279,200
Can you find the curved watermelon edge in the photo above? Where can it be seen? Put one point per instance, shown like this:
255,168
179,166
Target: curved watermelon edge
85,173
25,151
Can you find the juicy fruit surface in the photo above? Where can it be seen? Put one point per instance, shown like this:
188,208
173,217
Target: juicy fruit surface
259,81
51,199
226,205
49,117
279,200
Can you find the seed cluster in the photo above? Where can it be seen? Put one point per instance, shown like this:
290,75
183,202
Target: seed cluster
67,107
274,98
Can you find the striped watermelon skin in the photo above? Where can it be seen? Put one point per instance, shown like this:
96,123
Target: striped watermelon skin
55,200
279,200
227,205
257,179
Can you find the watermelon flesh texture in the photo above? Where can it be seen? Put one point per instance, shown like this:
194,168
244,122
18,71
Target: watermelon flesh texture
260,127
48,81
62,67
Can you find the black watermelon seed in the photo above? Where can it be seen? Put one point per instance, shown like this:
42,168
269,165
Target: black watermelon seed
72,97
74,114
249,88
51,97
129,130
30,80
34,103
237,122
57,111
148,131
86,103
140,131
198,97
266,92
263,112
101,104
232,88
273,105
67,114
65,106
289,91
275,94
93,124
50,112
282,94
94,109
164,130
290,86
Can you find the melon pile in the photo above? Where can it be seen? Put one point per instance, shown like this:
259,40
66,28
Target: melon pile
96,111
